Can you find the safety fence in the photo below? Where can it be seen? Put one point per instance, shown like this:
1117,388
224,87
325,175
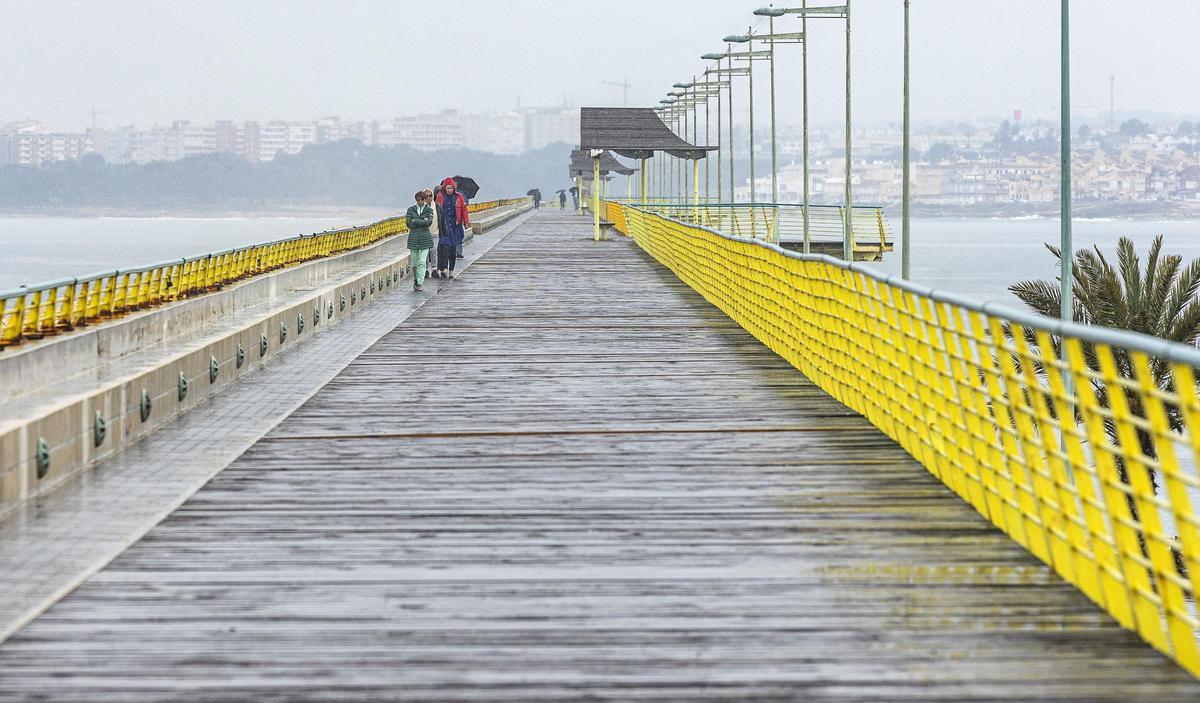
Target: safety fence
1079,442
33,312
780,223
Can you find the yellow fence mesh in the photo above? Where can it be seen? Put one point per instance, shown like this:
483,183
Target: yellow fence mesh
1079,443
47,309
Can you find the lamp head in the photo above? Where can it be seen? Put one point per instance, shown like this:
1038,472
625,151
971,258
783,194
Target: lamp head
770,12
683,85
737,38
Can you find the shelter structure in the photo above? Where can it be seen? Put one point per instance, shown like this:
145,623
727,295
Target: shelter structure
635,133
582,172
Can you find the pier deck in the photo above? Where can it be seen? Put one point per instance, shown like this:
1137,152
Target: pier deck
567,477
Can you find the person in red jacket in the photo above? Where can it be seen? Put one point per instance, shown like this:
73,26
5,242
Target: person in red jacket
452,220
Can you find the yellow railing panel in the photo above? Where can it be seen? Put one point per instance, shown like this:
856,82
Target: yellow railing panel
1061,435
28,313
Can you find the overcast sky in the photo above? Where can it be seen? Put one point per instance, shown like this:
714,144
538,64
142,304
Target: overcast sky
158,61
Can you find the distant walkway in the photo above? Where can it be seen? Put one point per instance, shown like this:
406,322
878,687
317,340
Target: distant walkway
567,477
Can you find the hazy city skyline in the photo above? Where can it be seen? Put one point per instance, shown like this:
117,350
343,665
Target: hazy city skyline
144,62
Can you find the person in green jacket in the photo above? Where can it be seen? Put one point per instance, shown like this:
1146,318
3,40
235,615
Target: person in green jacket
420,240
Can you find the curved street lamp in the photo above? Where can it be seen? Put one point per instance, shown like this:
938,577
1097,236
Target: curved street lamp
774,38
729,72
832,12
749,56
716,91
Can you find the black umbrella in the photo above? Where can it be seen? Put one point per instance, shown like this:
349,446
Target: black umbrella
467,186
562,190
574,190
534,192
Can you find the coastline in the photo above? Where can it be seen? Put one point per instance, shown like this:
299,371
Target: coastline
365,214
1131,211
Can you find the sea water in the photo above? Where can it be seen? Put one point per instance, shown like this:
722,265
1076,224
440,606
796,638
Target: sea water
40,249
981,258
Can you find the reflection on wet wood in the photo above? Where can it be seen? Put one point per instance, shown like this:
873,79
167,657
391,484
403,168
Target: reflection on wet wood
568,478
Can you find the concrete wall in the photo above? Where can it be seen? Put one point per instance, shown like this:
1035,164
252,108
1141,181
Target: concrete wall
54,388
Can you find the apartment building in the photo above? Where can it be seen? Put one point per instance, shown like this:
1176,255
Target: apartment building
28,143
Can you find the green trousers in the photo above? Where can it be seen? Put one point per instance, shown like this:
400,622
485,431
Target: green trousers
418,257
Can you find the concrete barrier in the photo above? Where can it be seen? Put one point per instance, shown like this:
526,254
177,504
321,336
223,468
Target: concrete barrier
74,399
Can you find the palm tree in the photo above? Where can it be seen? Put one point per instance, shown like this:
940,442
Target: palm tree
1159,300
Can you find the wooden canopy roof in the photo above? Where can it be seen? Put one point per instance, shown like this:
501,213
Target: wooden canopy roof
633,132
581,165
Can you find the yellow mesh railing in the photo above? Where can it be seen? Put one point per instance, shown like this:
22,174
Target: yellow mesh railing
33,312
1081,443
491,204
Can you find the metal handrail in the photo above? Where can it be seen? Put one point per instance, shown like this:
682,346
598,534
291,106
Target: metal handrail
42,309
782,222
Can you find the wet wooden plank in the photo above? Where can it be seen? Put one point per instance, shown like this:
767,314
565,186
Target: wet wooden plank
568,478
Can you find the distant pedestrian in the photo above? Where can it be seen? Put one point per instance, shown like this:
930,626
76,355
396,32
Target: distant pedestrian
574,198
537,200
452,219
431,265
420,240
562,200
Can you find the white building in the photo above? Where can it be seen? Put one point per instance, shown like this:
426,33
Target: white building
495,132
544,126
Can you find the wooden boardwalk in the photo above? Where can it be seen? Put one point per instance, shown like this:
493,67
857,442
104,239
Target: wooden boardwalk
566,477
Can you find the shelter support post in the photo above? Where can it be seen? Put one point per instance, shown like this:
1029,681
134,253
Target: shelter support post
642,190
596,197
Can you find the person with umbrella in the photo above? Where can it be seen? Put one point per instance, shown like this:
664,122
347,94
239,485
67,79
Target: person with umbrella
575,197
537,197
562,200
452,219
469,189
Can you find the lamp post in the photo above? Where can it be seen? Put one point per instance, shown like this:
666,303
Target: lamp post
703,91
728,82
784,38
776,38
832,12
750,56
906,186
663,184
1064,116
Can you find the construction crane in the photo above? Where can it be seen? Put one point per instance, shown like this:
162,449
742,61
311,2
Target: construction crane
625,86
95,112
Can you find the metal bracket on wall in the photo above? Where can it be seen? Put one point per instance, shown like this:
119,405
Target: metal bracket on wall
99,429
43,458
144,406
183,386
214,368
241,354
